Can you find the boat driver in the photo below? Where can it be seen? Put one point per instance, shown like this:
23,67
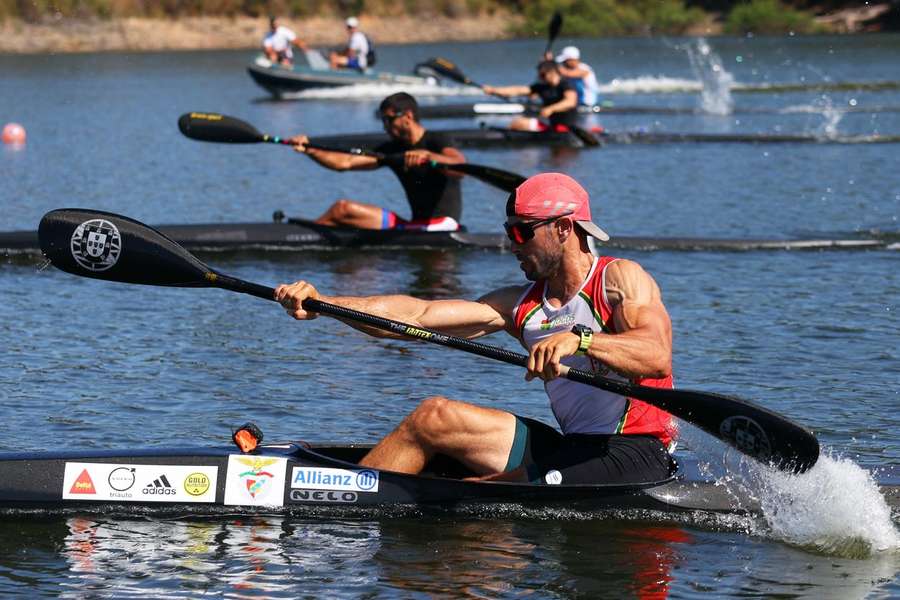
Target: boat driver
558,98
596,313
434,195
356,54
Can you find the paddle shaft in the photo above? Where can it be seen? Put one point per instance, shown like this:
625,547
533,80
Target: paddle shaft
267,293
213,127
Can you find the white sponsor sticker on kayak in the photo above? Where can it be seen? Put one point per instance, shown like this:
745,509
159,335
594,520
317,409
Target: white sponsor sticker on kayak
139,483
316,478
255,480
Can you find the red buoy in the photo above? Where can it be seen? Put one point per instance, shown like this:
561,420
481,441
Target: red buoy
13,133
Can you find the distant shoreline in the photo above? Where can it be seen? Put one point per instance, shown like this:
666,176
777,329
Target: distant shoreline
134,34
224,33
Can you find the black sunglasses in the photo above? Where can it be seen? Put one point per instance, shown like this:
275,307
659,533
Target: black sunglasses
388,119
522,231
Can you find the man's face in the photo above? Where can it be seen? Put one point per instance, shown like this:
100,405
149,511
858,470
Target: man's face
540,257
550,76
396,124
571,63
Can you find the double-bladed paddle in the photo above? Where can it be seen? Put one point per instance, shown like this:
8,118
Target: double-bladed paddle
451,70
107,246
213,127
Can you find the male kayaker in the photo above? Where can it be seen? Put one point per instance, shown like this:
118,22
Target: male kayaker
356,53
579,74
595,313
434,195
277,43
558,98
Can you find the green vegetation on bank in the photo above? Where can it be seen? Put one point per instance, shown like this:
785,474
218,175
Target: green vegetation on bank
769,16
582,17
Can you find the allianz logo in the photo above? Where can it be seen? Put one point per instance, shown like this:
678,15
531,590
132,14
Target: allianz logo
320,478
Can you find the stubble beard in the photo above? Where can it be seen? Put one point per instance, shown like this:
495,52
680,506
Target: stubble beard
546,264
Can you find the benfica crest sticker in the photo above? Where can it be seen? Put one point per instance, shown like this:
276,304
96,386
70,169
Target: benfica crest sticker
96,245
255,480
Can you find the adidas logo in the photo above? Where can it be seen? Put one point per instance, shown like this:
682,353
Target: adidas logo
159,487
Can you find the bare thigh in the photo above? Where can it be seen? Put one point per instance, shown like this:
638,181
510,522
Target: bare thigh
479,437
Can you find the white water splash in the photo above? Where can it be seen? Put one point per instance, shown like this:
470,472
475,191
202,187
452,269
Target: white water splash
649,84
835,508
716,82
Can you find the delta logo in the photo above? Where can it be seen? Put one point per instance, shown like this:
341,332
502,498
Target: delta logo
84,484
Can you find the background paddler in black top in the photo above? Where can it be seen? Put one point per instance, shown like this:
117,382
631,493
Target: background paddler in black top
434,195
559,100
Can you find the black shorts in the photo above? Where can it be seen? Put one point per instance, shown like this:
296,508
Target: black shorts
552,458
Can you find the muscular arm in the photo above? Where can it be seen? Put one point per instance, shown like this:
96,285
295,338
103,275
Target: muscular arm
464,318
575,73
642,344
448,156
507,91
569,101
342,161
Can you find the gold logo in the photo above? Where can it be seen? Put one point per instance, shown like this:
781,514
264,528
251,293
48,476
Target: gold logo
196,484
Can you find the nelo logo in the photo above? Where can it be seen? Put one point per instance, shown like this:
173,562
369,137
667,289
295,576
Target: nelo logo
323,496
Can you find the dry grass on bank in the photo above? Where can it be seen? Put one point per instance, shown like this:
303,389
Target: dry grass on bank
200,33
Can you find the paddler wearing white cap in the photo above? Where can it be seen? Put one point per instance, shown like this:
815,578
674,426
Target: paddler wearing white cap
597,313
579,74
356,53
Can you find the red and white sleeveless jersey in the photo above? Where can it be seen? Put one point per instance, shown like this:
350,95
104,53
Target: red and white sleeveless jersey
581,408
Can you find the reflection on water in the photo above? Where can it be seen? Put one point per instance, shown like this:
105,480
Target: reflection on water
431,555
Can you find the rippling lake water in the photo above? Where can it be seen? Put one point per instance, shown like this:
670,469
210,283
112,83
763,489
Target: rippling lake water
812,335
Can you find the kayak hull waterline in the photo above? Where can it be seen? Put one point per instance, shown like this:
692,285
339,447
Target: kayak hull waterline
473,110
296,475
295,234
493,137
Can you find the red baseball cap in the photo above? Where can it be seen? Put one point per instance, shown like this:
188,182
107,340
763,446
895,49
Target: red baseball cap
550,194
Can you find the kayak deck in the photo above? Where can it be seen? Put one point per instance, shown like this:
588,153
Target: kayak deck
294,476
294,234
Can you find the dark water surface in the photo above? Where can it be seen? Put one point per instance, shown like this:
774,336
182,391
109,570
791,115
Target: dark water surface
813,335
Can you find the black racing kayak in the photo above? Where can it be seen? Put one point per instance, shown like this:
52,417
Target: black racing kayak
472,110
297,475
294,234
495,137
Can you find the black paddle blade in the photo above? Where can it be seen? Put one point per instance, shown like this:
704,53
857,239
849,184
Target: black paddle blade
504,180
751,429
213,127
103,245
586,137
448,69
555,26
